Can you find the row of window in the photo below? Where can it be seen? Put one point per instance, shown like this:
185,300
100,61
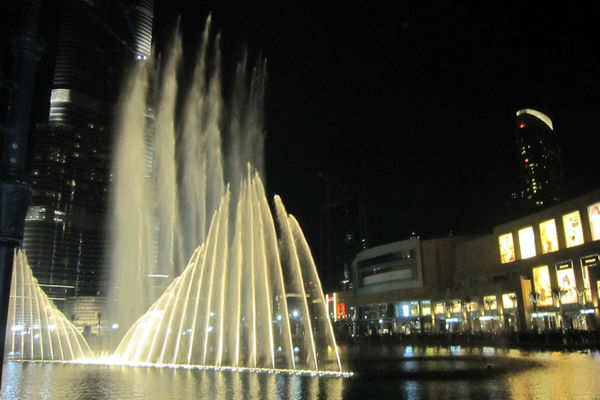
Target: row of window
548,235
566,290
424,308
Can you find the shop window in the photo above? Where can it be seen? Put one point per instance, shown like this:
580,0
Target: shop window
455,306
425,308
490,303
414,308
509,300
565,277
586,283
541,285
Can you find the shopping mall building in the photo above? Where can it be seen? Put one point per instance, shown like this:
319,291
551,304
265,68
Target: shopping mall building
538,272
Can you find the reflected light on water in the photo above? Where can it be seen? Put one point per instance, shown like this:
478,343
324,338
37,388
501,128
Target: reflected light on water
564,376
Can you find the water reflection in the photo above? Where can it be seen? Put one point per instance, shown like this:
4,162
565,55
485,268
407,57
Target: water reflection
554,376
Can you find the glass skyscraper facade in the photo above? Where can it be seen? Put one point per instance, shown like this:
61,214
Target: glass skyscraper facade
541,173
91,44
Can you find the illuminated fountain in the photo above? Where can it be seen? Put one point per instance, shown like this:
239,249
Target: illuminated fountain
249,298
36,329
253,302
170,167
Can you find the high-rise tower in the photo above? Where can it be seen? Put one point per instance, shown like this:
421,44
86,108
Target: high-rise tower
89,50
540,163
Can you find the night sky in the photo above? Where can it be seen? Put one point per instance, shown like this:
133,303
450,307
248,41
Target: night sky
416,103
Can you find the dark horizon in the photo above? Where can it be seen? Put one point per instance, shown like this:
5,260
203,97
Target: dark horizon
411,110
417,104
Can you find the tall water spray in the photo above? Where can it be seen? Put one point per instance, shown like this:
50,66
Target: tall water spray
188,190
169,172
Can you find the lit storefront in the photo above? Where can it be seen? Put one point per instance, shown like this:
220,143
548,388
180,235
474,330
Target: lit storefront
407,318
490,318
510,308
439,316
539,272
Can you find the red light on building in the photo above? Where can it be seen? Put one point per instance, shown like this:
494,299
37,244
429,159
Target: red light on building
522,125
526,160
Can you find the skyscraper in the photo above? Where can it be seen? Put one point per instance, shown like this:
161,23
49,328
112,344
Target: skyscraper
90,46
541,174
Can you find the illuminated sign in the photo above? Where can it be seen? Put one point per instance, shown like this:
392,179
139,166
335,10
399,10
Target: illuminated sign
548,236
527,242
509,300
590,261
573,230
594,218
507,248
566,282
541,285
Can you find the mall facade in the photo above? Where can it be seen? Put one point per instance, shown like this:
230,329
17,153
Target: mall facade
539,272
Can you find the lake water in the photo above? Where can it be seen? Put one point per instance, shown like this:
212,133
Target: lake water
381,372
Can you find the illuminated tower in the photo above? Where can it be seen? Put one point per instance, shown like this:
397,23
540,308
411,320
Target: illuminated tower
91,44
541,173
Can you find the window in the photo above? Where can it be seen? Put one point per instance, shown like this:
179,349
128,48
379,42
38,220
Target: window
507,248
541,285
573,230
509,300
425,308
439,308
565,277
594,218
527,242
456,306
548,236
490,303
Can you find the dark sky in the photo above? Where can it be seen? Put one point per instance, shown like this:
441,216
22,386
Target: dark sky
417,101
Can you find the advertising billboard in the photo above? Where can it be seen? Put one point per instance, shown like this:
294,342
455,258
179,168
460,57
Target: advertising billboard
541,285
565,277
548,236
527,242
573,229
507,248
594,217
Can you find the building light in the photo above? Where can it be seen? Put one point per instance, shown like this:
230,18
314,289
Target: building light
526,160
522,125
